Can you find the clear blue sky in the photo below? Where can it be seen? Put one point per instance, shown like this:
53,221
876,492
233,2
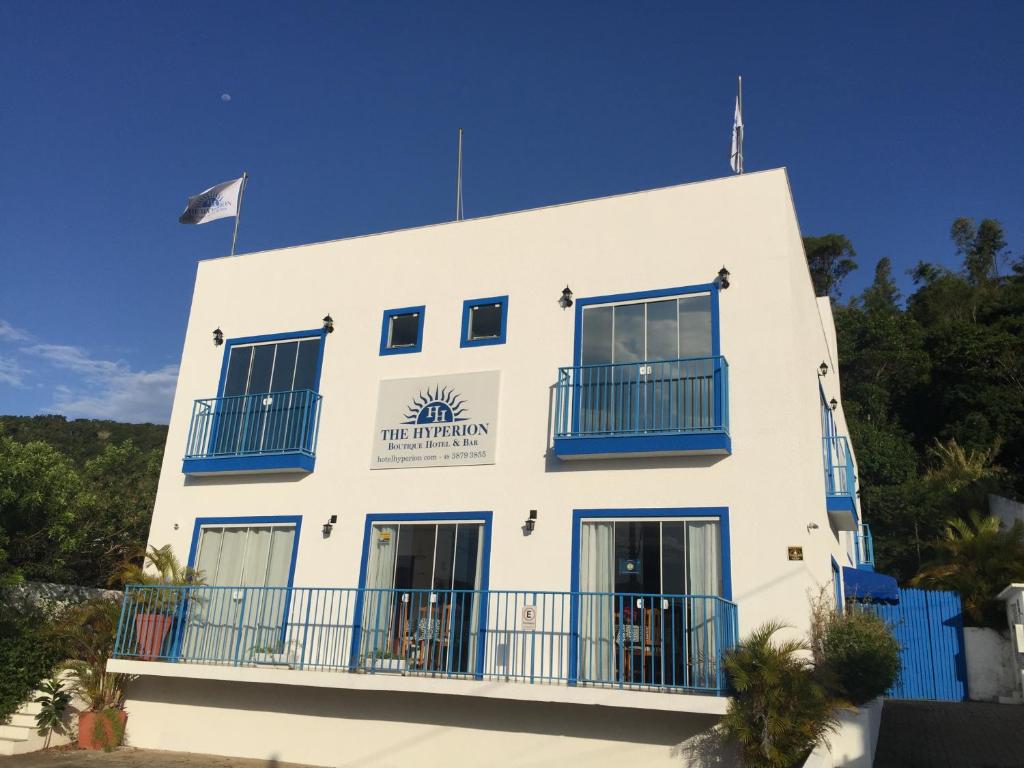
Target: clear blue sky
892,118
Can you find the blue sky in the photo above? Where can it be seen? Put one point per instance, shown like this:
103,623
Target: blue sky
892,118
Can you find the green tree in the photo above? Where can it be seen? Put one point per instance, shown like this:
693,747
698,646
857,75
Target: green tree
981,247
830,258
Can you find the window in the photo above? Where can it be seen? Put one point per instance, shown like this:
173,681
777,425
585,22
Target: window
273,366
484,321
649,331
402,331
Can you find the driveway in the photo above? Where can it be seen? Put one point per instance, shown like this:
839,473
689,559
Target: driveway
132,758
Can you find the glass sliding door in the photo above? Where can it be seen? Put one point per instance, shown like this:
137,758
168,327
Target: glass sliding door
244,612
421,603
646,366
647,601
265,407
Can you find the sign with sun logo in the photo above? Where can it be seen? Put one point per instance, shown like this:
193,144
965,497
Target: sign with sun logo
438,421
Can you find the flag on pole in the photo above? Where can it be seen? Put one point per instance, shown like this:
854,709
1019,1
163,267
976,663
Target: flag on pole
736,156
218,202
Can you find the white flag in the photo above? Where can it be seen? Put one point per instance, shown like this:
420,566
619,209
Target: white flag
736,157
217,202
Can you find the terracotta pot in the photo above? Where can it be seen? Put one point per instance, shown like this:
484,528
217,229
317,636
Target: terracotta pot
151,630
89,720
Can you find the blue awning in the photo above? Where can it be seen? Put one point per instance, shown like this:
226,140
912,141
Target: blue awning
870,587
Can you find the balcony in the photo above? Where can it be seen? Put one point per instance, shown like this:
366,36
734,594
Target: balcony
257,433
662,408
840,483
660,643
865,548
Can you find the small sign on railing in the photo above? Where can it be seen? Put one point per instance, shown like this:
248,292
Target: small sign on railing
528,618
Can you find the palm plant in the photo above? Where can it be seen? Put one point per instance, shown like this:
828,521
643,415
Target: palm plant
977,558
159,568
88,631
780,712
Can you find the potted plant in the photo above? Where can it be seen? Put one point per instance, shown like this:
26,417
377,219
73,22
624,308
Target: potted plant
88,631
270,655
155,600
388,661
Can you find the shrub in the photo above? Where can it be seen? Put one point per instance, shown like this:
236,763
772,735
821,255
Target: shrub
28,653
780,711
860,658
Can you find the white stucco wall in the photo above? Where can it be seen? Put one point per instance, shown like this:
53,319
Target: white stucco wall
991,673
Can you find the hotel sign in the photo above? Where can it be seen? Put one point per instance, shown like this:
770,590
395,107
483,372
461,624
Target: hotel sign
436,421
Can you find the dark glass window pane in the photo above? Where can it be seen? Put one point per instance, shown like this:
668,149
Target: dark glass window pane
673,558
262,363
284,366
405,330
662,330
695,326
444,560
597,335
629,333
466,557
637,557
305,366
238,371
415,560
485,321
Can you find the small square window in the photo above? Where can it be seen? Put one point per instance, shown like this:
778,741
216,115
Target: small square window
402,331
405,330
484,321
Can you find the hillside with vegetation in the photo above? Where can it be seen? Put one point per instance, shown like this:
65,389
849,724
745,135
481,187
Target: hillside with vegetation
933,390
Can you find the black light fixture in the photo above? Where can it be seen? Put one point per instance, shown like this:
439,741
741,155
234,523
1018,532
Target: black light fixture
566,301
823,368
328,323
531,521
833,403
218,337
723,278
329,525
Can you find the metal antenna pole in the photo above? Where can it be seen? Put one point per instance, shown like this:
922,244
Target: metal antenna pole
739,143
458,184
238,213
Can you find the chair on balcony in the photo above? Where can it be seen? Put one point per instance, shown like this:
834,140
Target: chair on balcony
638,634
426,635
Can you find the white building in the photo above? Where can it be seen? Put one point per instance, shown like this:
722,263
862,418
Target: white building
473,526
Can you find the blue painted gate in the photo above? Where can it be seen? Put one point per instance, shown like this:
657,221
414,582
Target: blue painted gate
929,626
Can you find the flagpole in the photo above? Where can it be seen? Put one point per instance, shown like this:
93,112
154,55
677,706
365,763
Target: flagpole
238,211
739,145
458,183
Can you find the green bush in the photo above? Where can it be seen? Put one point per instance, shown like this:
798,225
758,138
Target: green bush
28,653
779,711
859,657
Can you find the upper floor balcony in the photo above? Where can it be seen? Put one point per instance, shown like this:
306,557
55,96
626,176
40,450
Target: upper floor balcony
840,482
864,546
265,432
632,642
647,408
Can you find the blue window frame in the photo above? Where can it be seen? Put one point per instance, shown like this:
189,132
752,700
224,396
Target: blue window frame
484,518
837,586
269,338
484,321
399,335
581,515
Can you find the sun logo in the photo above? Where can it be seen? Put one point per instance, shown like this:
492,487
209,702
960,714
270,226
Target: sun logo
442,406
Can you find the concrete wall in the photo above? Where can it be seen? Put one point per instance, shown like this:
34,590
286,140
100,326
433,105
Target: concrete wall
990,668
369,729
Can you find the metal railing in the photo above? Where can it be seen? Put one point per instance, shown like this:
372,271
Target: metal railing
256,424
865,546
635,641
688,395
840,479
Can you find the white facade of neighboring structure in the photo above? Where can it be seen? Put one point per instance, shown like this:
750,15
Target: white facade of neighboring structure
737,497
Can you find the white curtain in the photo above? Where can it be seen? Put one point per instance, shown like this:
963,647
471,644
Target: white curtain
704,575
378,634
596,623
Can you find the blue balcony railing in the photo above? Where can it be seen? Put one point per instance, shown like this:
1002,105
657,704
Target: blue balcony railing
636,641
652,407
840,481
247,427
865,547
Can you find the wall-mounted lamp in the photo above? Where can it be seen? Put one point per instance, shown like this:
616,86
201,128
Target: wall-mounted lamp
812,527
823,368
723,278
566,301
329,525
328,323
531,521
218,337
833,403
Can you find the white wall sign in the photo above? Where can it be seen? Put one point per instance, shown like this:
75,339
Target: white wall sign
436,421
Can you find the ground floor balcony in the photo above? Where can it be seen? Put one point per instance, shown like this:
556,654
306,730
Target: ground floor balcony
255,433
573,641
646,408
